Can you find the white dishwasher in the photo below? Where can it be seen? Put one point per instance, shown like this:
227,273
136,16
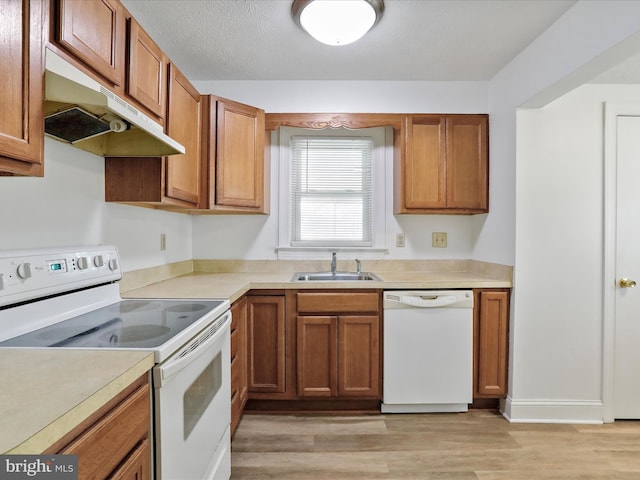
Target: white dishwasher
428,351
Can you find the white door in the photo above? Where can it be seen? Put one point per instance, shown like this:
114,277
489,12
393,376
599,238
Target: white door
627,301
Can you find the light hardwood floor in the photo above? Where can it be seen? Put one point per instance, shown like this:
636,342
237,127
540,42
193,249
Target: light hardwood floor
475,445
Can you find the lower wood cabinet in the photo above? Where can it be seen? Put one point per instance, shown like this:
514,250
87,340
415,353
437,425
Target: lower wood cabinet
491,341
266,343
114,442
239,384
338,356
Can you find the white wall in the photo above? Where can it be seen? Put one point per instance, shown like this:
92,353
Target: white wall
557,336
543,201
255,237
67,207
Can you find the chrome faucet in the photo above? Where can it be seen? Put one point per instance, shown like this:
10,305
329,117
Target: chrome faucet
334,261
358,267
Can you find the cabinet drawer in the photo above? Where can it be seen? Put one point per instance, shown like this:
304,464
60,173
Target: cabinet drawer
330,302
103,446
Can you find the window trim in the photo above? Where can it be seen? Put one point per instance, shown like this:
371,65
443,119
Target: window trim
378,246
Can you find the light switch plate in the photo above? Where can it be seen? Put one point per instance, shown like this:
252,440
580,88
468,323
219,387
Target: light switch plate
163,241
439,239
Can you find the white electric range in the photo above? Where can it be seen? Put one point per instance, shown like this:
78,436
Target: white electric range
69,298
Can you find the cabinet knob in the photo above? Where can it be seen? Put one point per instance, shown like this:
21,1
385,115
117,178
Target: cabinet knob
627,283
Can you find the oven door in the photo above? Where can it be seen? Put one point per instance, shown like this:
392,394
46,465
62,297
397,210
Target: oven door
192,396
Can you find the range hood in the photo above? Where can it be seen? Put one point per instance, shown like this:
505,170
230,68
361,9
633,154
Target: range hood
80,111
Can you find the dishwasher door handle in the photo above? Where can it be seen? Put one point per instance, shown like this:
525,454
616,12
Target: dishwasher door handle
428,301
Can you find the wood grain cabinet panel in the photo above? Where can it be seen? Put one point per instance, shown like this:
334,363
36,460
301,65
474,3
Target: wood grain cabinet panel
266,343
114,442
239,373
22,39
317,356
443,165
338,355
183,125
171,182
359,356
240,157
147,71
491,342
467,163
94,31
235,155
425,167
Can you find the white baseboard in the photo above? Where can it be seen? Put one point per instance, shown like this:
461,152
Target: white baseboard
553,411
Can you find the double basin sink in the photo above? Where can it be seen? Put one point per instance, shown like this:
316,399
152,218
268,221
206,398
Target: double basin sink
335,277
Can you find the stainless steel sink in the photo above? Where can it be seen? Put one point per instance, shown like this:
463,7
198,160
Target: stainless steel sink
334,277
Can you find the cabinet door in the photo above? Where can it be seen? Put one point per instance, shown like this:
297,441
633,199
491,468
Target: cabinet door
491,342
359,356
239,388
21,120
317,356
266,347
239,171
105,445
147,79
136,467
94,32
182,181
467,162
424,163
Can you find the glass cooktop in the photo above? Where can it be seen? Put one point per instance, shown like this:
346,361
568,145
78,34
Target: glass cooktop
125,324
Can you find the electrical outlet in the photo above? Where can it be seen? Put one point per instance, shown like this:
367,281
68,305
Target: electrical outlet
163,241
399,239
439,239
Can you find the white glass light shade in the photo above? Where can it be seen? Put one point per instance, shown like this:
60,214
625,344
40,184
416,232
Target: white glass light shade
337,22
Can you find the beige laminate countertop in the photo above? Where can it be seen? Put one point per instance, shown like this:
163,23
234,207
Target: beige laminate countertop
47,392
233,285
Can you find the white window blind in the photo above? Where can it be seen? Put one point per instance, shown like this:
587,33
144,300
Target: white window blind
331,191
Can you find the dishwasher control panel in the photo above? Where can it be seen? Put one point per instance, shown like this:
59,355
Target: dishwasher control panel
428,299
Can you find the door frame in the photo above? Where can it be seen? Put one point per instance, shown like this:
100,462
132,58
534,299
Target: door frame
611,113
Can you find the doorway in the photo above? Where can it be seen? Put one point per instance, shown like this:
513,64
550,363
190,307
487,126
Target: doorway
621,384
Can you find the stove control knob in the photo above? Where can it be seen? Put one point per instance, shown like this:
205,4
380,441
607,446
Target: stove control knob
82,263
113,264
98,261
24,270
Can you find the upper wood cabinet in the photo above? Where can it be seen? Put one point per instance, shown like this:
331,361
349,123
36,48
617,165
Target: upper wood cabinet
235,155
443,165
104,39
170,182
147,72
94,31
184,119
491,341
22,40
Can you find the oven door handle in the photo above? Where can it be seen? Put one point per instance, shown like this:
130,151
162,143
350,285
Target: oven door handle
210,335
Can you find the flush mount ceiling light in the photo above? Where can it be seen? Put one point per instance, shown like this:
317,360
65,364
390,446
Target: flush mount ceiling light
337,22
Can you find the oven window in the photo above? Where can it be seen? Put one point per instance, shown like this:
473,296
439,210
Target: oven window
200,393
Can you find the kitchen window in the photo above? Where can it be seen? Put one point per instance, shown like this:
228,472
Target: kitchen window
332,190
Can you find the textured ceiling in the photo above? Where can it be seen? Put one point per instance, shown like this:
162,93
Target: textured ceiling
466,40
